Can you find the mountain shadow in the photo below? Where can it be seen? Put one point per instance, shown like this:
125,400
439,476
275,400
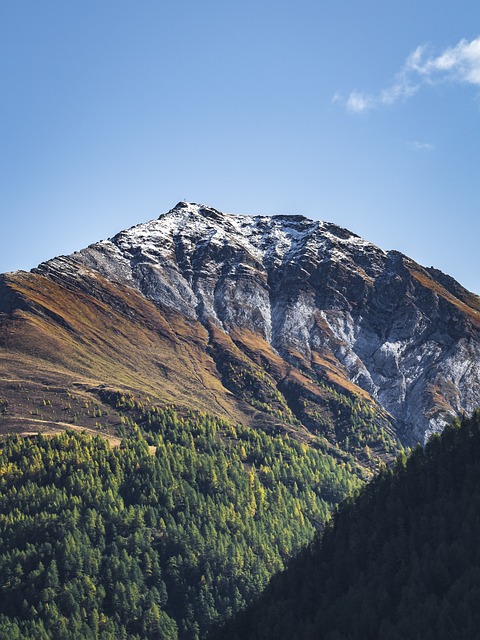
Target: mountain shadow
401,560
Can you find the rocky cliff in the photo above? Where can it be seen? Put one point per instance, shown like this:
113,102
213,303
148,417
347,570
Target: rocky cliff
300,320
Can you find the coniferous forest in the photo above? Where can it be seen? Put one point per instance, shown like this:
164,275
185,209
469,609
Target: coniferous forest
401,560
172,534
176,529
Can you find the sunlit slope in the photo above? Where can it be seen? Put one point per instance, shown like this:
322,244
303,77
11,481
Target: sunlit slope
65,340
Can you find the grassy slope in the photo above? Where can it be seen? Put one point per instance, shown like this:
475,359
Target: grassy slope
63,343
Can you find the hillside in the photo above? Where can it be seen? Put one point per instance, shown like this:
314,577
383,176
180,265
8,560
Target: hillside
275,322
399,561
247,372
179,527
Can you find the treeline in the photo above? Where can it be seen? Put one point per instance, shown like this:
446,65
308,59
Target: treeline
401,560
178,528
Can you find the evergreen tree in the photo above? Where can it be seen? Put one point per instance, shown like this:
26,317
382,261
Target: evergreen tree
399,561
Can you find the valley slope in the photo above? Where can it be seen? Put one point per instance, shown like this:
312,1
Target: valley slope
399,561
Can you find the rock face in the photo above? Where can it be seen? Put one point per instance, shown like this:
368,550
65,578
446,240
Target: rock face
279,313
407,335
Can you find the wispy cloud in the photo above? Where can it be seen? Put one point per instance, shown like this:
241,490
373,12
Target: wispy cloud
458,64
415,145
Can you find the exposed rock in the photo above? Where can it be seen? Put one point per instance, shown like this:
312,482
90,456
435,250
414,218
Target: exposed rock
407,335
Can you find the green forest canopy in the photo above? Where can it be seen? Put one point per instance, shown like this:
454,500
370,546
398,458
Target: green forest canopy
178,528
401,560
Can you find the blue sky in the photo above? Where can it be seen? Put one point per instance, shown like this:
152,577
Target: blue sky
366,114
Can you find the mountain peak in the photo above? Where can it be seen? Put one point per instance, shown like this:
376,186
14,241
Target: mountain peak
196,209
325,301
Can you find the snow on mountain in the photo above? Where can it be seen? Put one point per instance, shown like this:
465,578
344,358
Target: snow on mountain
314,292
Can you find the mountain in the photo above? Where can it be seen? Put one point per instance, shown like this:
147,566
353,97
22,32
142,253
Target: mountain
278,321
247,372
399,561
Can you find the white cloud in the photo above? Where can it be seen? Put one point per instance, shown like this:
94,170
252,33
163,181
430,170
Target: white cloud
459,64
359,102
420,146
